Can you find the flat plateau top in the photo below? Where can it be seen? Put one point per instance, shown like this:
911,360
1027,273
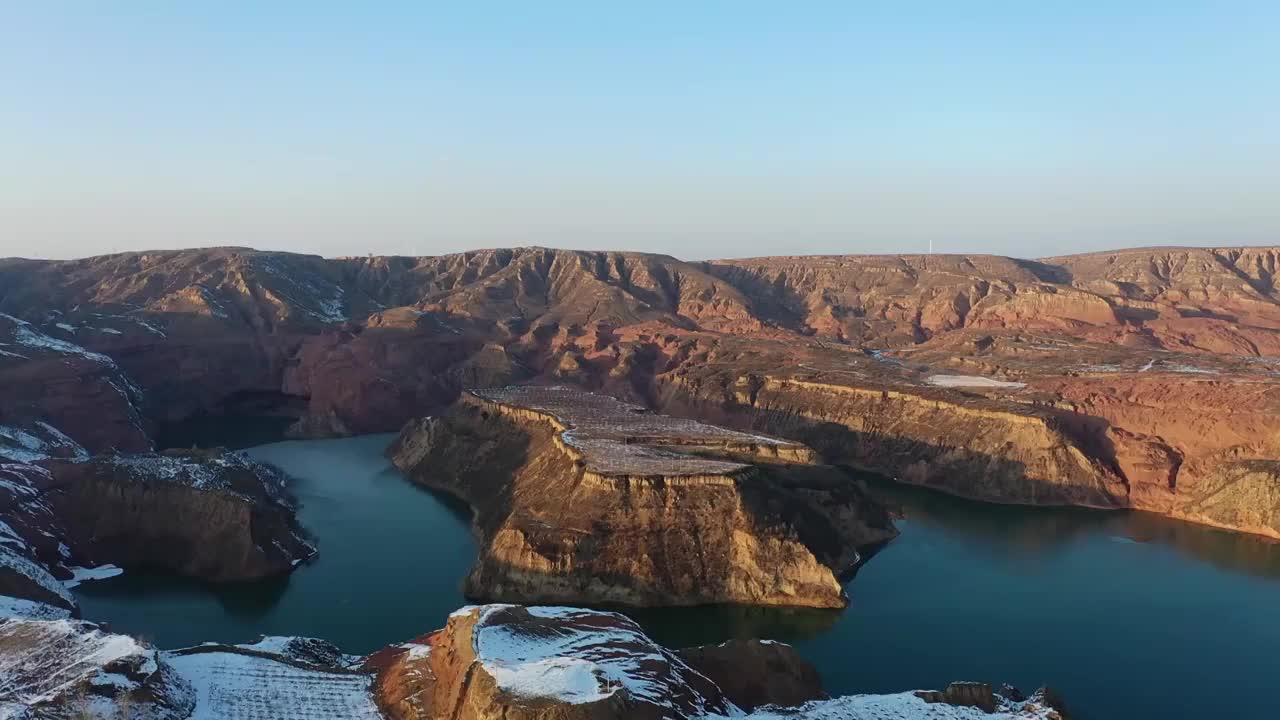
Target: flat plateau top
619,438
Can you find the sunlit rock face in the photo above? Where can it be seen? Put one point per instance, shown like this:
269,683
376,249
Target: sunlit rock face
581,498
560,663
1145,378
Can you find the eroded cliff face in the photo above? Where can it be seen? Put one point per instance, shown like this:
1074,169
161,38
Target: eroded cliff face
33,554
1109,379
973,447
212,515
84,394
503,661
579,498
559,663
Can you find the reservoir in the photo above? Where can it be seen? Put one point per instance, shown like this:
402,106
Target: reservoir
1125,614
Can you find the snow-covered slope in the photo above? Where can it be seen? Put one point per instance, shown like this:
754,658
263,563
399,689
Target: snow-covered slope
577,656
68,668
900,706
277,678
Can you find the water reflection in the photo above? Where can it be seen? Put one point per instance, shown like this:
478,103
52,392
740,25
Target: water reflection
1075,598
1036,532
686,627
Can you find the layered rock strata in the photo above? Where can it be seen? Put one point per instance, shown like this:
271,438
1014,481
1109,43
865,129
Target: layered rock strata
578,497
556,663
1146,378
212,515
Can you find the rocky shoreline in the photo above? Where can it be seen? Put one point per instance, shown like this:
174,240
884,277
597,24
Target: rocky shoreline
492,662
1142,379
579,498
212,515
1145,379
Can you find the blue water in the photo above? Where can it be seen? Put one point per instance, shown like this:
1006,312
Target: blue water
1125,614
392,558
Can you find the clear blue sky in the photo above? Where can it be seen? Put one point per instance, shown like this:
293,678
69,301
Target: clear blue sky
700,129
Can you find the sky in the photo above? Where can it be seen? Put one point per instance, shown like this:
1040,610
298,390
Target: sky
697,129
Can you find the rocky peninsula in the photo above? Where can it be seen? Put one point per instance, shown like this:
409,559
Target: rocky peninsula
578,497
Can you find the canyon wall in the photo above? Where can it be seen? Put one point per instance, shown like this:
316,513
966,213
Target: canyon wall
572,509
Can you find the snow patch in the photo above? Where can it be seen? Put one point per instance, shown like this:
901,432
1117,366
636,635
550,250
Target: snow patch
589,656
19,563
231,685
971,381
46,658
84,574
12,607
897,706
26,335
417,651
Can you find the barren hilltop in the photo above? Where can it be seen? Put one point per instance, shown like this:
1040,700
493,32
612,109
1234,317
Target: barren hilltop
1138,378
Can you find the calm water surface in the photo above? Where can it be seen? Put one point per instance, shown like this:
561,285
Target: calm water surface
1127,615
392,558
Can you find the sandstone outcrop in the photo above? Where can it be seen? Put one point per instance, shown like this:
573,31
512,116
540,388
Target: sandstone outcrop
493,662
578,497
756,673
976,447
556,663
212,515
1108,379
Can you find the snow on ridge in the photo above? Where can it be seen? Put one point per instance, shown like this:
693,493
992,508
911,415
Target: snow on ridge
234,685
19,563
24,446
896,706
12,607
203,473
971,381
588,657
25,334
46,659
60,440
326,304
216,308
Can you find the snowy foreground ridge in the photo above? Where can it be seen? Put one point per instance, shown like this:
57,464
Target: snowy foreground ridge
545,662
578,661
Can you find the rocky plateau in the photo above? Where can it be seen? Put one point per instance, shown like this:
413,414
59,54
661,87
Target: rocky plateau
1143,378
578,497
627,428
